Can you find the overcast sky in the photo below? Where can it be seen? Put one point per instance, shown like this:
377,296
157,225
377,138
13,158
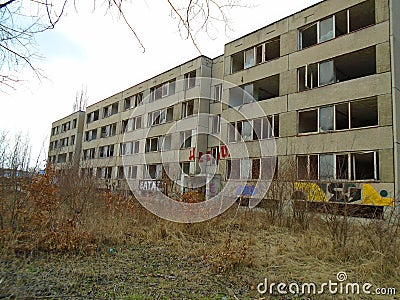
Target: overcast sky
99,52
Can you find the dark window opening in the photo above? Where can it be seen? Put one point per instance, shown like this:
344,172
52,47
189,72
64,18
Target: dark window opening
364,166
272,49
342,116
362,15
266,88
342,167
356,64
255,169
237,62
308,121
364,113
308,36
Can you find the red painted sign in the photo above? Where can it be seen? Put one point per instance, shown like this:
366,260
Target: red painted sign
222,153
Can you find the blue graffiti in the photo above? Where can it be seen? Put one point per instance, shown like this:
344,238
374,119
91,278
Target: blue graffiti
247,190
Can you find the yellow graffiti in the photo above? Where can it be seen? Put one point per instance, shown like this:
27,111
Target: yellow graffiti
371,197
311,190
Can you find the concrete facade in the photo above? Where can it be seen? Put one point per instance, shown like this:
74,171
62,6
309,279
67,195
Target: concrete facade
327,79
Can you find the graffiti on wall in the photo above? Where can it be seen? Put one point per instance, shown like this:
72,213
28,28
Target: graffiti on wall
360,193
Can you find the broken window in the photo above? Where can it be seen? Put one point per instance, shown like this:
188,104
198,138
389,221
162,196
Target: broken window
342,116
308,36
326,73
356,114
168,88
307,167
355,64
170,114
108,172
106,151
72,141
245,168
308,121
90,135
185,168
266,88
232,132
167,142
260,53
110,110
308,77
255,55
153,144
218,92
109,130
249,58
346,67
365,166
215,124
130,172
128,103
74,122
247,131
62,158
237,62
233,169
235,96
187,108
326,118
255,168
364,113
129,148
342,166
215,154
138,99
89,153
362,15
343,22
93,116
272,49
326,30
257,129
190,79
186,139
326,167
157,92
156,117
120,172
269,167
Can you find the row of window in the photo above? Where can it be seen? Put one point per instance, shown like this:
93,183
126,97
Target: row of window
342,166
325,167
150,171
153,118
64,142
256,129
349,115
341,23
64,127
61,158
339,69
156,93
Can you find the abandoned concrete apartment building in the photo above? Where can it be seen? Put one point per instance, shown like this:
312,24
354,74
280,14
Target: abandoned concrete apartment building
327,79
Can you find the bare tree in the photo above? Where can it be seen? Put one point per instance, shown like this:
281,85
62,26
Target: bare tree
21,21
81,100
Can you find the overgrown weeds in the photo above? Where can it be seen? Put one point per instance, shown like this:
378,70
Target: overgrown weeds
56,213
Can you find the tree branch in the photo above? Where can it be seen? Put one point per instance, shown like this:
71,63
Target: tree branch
6,3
